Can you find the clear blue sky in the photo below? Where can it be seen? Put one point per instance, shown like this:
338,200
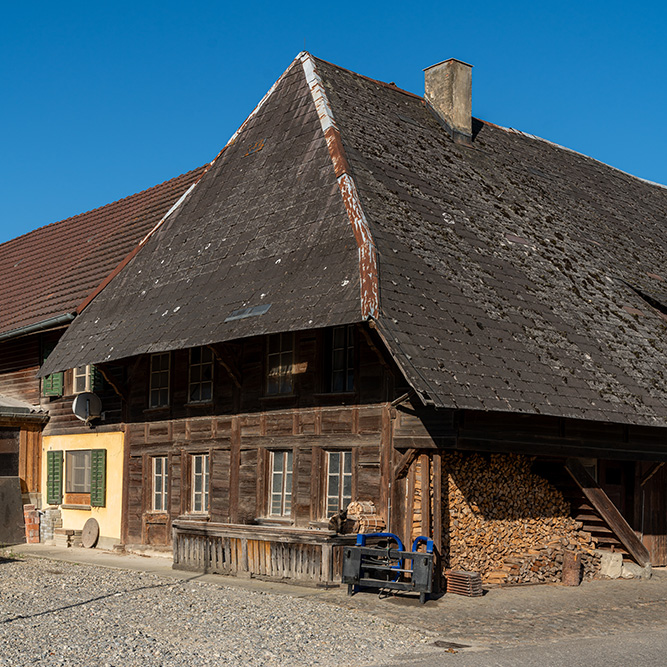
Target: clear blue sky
104,99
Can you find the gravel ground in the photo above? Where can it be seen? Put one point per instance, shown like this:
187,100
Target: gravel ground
57,613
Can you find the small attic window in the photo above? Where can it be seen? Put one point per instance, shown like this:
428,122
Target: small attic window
253,311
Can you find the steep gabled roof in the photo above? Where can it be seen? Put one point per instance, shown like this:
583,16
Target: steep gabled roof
50,271
514,275
262,244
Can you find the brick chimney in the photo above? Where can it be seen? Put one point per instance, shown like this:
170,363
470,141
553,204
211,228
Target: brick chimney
448,90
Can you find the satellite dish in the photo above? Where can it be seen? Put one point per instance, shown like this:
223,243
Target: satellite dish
87,406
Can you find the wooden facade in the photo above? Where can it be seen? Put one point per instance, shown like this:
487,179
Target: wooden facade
395,446
242,426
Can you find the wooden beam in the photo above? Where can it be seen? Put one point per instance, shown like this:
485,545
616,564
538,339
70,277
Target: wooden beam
650,472
608,511
236,380
425,462
404,463
112,384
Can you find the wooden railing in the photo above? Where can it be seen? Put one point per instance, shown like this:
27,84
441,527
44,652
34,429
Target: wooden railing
305,556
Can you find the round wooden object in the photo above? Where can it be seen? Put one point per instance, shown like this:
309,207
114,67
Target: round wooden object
90,533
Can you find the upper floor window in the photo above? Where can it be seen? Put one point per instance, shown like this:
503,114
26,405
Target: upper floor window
160,483
159,380
201,375
342,359
200,482
281,484
279,361
339,481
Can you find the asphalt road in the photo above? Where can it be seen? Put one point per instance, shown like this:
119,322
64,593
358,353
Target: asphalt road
621,649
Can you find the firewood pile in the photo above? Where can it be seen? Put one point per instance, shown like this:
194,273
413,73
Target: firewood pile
365,518
505,522
541,566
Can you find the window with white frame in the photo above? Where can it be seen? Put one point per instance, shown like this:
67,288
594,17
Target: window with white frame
159,380
279,362
82,379
339,481
201,375
77,471
342,359
160,483
200,482
280,502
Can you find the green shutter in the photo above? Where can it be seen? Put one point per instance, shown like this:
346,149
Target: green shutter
54,478
96,380
52,385
98,477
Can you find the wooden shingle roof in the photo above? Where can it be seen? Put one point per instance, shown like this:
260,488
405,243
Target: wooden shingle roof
513,275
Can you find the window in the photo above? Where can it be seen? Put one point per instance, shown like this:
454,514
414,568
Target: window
160,483
280,357
342,359
159,381
77,467
339,481
201,375
86,378
85,475
200,482
280,503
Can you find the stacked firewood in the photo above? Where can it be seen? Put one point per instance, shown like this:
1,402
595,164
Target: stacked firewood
365,518
505,522
541,566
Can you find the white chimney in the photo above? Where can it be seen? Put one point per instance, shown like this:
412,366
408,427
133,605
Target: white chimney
448,89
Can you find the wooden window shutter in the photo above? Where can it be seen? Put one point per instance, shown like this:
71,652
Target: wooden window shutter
98,477
96,380
52,385
54,478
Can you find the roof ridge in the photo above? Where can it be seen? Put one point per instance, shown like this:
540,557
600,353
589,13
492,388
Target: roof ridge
390,86
513,130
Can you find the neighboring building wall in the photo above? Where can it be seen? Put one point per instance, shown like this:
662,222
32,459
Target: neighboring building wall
19,363
108,516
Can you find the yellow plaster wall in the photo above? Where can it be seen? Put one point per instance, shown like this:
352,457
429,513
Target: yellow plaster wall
109,516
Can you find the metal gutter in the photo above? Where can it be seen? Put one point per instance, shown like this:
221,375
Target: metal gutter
50,323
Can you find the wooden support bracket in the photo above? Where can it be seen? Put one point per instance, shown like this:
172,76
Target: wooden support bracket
404,463
234,376
112,384
650,472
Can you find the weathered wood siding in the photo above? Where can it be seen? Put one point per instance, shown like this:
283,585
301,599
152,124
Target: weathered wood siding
241,426
19,363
